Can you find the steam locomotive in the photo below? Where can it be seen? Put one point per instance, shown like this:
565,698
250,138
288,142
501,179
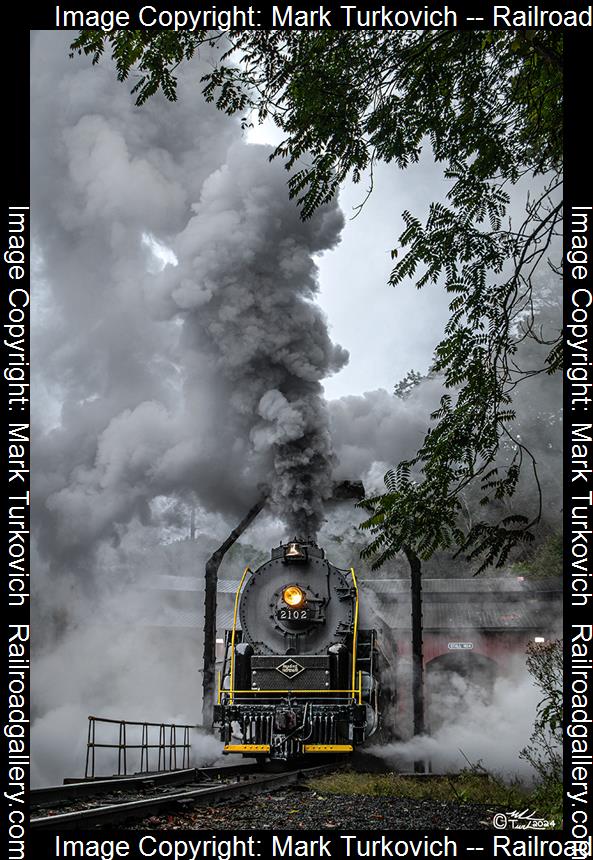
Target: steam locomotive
300,674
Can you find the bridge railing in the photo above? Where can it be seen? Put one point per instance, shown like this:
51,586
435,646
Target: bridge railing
168,743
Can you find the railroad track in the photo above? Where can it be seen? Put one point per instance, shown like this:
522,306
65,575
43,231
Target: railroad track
118,800
73,790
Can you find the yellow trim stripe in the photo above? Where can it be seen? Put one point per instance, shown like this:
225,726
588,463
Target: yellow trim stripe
353,691
320,748
247,748
257,690
232,678
355,634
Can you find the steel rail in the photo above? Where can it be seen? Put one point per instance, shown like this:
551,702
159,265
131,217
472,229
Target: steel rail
78,789
116,812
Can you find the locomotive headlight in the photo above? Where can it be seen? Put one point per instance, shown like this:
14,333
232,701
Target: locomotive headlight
293,596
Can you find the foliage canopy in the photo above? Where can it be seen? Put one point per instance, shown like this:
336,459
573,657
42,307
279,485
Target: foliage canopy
489,106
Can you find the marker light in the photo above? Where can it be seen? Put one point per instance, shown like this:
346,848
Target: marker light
292,595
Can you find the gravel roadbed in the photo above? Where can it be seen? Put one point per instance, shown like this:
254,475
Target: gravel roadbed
305,809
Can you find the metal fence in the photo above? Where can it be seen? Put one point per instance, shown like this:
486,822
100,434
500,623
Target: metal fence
172,753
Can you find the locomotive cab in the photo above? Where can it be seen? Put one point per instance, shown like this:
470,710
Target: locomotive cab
299,676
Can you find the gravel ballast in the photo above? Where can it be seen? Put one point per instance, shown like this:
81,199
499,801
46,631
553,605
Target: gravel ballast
306,809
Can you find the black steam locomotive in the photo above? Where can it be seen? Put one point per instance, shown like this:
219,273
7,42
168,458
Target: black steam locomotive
300,675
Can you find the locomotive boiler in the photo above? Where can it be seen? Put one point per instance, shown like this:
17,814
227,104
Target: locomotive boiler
300,674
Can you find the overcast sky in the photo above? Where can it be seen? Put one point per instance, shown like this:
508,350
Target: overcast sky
387,331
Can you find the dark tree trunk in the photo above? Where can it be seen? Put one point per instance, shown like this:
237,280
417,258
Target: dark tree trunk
417,655
211,582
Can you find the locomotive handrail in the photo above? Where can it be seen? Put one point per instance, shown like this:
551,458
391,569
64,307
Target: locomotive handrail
325,691
353,691
355,633
232,677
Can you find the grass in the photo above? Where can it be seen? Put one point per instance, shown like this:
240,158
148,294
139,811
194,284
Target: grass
467,787
548,799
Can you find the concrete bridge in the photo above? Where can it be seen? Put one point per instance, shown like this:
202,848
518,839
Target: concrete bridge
474,630
494,618
473,627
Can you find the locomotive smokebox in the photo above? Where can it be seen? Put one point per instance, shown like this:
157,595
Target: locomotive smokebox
291,681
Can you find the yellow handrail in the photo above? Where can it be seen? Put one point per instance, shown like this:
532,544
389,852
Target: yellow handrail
256,690
232,678
352,690
355,634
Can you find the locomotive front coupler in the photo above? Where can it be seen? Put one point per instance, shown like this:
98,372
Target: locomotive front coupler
287,720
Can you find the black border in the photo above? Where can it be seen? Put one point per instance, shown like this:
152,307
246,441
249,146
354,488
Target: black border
16,185
578,192
16,192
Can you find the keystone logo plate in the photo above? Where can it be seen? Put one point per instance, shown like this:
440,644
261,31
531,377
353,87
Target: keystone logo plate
290,668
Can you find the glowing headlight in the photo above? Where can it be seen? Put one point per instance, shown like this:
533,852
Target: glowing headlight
292,595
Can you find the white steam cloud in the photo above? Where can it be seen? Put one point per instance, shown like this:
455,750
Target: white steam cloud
474,726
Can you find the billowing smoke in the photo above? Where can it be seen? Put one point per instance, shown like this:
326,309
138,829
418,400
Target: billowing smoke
158,388
203,380
245,286
375,430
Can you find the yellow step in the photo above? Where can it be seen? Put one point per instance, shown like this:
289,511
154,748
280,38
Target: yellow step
256,748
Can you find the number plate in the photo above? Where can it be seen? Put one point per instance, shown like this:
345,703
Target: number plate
292,614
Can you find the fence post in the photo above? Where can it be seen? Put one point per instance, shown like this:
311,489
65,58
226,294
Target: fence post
162,751
90,748
144,748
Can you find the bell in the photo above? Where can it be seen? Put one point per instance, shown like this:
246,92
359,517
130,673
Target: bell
294,551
